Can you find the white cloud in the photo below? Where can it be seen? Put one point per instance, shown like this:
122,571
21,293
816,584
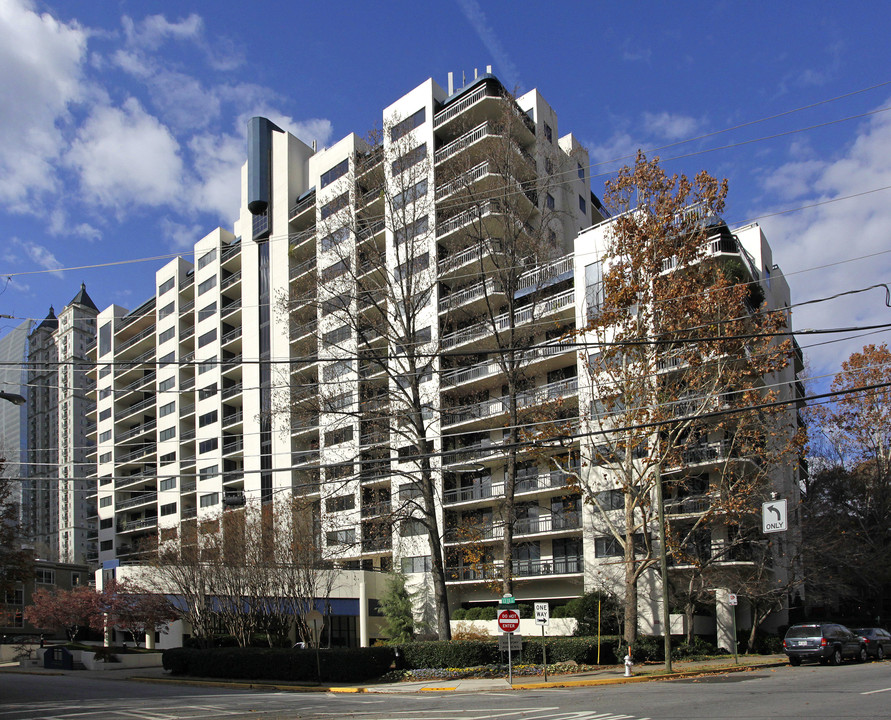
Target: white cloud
620,147
218,161
832,234
182,236
125,157
41,77
39,255
153,30
670,126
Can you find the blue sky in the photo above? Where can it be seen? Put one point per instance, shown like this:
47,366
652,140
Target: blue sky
122,123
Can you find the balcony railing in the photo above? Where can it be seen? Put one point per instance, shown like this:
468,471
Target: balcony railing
141,405
503,322
540,276
469,294
382,508
689,505
230,280
138,500
130,525
456,260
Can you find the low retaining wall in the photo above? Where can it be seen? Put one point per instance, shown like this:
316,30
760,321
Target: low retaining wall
125,660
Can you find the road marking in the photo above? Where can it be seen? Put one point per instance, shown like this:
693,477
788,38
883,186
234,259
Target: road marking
873,692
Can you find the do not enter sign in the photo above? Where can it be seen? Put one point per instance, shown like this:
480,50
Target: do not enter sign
508,620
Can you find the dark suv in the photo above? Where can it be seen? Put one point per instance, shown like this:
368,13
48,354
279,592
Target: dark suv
826,642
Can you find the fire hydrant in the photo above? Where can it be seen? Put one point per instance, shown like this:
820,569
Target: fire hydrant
628,663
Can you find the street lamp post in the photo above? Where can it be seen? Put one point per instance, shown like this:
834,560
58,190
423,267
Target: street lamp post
12,397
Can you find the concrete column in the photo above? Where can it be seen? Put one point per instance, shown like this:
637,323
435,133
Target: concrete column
150,639
724,619
363,613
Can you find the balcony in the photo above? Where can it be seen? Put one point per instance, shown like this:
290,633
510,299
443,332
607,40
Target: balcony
469,294
488,368
503,322
695,505
140,452
231,391
231,336
230,280
138,430
382,508
133,525
135,408
233,418
498,406
302,268
143,499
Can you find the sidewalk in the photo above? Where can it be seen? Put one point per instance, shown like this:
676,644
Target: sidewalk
607,675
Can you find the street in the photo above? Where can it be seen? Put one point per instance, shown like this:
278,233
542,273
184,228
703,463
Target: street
813,692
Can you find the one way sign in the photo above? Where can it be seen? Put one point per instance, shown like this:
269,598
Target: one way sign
773,516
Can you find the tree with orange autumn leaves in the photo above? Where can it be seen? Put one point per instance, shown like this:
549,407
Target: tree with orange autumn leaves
682,356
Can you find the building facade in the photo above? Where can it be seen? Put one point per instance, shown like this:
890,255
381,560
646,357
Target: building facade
382,312
58,518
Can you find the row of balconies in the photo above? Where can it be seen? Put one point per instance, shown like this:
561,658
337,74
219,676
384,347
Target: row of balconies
567,520
498,406
521,568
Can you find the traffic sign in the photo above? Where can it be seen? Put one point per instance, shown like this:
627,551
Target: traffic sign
774,517
732,599
508,600
512,642
542,613
508,620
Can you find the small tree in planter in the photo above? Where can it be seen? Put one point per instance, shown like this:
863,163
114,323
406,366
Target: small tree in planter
68,610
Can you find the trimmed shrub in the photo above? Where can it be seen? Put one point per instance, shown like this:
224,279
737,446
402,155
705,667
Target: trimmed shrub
459,614
337,664
473,613
651,648
443,654
488,613
582,650
527,611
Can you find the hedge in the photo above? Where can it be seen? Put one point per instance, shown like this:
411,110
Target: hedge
337,664
439,654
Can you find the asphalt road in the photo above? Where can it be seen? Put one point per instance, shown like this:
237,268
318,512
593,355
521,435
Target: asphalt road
812,692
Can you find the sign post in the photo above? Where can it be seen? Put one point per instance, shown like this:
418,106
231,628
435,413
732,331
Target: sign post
732,600
316,621
543,617
508,622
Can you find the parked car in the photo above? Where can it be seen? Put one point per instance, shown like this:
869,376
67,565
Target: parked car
825,642
878,641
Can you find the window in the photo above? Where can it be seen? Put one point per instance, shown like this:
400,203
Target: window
207,312
336,270
207,338
168,509
207,392
416,264
206,365
583,206
167,484
105,371
410,232
165,360
336,303
105,414
581,171
411,158
167,409
106,545
207,419
341,435
167,384
341,537
105,457
411,528
341,401
419,564
206,446
549,201
611,499
209,500
607,547
336,472
207,258
336,370
548,133
340,503
45,576
167,458
334,239
166,286
338,203
166,310
410,491
413,193
105,339
208,472
336,336
105,502
106,523
104,393
404,127
167,434
105,436
337,171
207,284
